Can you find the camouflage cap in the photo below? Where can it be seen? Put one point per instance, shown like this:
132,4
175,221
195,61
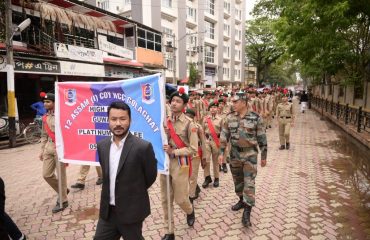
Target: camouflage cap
239,96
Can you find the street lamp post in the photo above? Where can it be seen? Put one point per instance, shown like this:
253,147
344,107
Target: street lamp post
10,68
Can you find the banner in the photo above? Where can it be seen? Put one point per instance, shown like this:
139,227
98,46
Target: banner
81,118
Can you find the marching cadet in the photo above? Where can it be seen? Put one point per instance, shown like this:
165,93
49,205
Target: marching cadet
194,104
244,129
48,154
84,170
182,145
198,158
212,129
223,110
285,119
267,106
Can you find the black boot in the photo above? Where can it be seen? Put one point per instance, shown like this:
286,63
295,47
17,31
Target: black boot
282,147
219,168
216,183
224,167
207,181
197,190
287,146
190,218
246,218
169,237
239,205
79,186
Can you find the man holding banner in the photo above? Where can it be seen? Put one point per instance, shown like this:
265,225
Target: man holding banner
182,144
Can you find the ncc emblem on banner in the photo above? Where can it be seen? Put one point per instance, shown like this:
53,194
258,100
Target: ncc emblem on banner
147,95
70,97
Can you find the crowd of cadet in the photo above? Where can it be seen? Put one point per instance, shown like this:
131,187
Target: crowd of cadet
208,129
216,128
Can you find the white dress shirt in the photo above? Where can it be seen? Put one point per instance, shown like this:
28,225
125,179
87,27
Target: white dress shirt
114,157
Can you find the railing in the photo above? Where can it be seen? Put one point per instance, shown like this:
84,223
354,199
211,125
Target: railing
350,115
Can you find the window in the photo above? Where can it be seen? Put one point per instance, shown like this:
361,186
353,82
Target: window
210,54
226,72
191,13
167,31
105,5
238,14
210,30
210,7
127,1
167,3
227,29
227,7
169,64
149,40
226,51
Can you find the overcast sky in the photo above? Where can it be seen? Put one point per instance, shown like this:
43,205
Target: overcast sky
248,8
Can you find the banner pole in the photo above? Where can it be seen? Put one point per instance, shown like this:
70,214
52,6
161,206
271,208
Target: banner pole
59,183
169,203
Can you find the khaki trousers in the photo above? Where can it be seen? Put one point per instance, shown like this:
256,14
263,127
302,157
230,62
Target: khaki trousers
212,152
179,191
84,170
194,176
284,130
50,159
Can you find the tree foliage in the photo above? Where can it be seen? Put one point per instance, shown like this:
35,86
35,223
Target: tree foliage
2,21
328,37
194,76
262,49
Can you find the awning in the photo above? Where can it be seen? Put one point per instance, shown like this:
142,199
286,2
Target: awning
185,80
123,62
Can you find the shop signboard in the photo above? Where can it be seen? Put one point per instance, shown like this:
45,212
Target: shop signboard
78,53
81,69
36,66
113,48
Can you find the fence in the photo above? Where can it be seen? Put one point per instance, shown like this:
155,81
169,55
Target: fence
349,115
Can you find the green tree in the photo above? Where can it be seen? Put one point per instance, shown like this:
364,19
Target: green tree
329,38
262,49
2,21
193,75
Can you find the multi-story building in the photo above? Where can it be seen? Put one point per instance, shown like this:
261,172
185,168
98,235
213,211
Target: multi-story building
69,40
206,33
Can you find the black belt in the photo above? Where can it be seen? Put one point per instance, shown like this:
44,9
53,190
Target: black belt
285,117
209,136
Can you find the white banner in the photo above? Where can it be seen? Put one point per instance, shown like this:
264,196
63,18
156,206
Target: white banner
81,69
78,53
113,48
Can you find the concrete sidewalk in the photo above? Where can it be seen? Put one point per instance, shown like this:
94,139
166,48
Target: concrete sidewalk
304,193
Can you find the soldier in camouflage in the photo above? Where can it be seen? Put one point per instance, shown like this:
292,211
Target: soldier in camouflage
244,129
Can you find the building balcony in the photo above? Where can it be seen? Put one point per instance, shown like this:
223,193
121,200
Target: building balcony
226,58
238,20
227,14
168,13
191,23
238,41
226,36
209,17
211,42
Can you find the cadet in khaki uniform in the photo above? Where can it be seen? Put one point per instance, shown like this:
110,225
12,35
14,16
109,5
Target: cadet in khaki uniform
84,170
194,104
49,156
223,111
184,130
213,120
244,129
198,158
285,119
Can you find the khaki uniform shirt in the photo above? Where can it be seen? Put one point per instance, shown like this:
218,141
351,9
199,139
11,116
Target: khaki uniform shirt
217,124
285,110
46,141
186,129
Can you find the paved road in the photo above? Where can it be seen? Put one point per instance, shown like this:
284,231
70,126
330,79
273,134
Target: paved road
304,193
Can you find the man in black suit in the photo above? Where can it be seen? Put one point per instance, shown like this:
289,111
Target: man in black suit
129,169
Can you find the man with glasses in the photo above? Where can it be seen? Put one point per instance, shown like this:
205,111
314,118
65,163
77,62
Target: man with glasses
244,130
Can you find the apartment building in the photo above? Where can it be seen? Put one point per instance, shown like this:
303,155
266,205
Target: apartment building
206,33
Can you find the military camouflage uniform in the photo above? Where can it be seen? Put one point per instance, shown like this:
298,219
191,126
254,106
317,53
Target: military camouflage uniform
244,134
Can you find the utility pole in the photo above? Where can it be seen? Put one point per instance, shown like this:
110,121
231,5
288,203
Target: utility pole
10,73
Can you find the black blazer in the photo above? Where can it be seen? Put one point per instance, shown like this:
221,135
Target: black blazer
137,171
